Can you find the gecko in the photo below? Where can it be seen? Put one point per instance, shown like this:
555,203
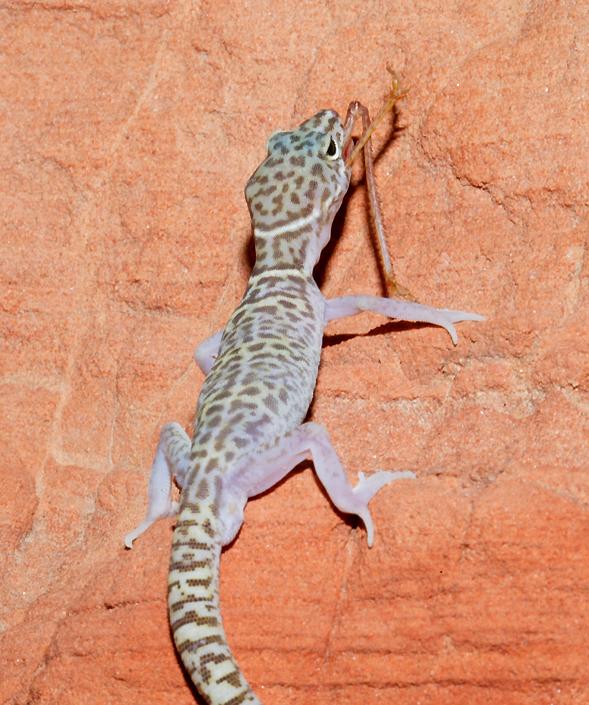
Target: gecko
260,374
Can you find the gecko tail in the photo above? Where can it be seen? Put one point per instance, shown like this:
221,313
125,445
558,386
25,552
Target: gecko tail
194,609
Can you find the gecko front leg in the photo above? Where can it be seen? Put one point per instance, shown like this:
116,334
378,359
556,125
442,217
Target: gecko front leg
171,462
401,310
308,441
206,353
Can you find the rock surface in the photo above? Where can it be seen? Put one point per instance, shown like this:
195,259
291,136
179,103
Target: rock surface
127,132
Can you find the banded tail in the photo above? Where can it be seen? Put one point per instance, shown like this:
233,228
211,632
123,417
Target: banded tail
195,615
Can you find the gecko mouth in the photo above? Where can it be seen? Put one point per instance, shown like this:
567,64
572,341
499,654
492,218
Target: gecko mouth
348,148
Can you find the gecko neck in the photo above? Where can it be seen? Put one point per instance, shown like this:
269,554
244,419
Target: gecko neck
288,249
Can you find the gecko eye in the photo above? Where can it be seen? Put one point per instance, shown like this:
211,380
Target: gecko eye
332,150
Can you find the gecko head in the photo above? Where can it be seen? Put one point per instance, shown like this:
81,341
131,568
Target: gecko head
296,191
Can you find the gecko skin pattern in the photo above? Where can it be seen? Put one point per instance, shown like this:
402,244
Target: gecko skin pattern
260,377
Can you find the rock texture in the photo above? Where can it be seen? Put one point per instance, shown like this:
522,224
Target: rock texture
127,132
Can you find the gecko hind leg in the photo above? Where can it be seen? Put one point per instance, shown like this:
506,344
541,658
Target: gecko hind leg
171,463
311,441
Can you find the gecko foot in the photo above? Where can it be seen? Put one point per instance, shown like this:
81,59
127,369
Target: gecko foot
152,516
367,487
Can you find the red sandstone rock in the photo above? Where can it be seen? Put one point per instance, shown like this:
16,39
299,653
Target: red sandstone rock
128,130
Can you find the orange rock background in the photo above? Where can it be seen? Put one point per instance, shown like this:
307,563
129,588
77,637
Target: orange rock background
127,133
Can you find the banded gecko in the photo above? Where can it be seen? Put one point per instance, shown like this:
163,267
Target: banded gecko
260,372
